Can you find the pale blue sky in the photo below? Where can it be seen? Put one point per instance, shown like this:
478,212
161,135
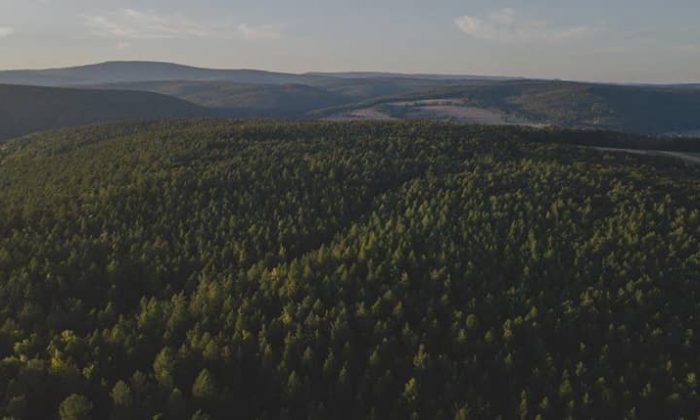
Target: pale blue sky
611,40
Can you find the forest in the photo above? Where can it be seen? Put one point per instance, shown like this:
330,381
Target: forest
215,269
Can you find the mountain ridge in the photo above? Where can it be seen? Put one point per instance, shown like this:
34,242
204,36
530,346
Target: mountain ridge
132,71
245,93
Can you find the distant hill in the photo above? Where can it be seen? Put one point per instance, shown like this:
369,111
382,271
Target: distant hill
243,99
141,71
625,108
389,75
281,100
363,89
650,110
26,109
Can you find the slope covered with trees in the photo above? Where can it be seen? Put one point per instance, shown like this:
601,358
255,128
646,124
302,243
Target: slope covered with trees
245,99
635,109
211,269
27,109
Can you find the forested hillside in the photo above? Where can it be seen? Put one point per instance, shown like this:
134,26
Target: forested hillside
212,269
27,109
245,99
635,109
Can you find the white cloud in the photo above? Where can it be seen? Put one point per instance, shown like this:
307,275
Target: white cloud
133,24
258,32
128,24
508,26
6,31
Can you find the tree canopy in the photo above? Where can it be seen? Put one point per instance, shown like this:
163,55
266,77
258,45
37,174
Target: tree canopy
219,269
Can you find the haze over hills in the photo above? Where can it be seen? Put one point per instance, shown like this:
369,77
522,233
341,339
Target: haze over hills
142,71
645,109
424,76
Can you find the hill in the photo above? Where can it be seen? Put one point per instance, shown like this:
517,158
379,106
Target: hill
210,268
148,71
651,110
26,109
647,109
414,76
245,100
280,100
637,109
143,71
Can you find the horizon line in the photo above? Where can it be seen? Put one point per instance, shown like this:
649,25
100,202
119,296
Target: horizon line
359,72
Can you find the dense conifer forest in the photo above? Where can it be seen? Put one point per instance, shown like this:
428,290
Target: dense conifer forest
209,269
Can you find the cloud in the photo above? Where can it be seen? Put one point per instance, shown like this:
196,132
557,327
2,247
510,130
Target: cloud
133,24
258,32
127,25
6,31
508,26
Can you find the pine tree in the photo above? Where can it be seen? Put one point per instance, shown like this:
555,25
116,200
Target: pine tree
121,394
204,387
75,407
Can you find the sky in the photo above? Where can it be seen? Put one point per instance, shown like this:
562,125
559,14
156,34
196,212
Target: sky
597,40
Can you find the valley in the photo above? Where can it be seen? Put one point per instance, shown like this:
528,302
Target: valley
647,109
